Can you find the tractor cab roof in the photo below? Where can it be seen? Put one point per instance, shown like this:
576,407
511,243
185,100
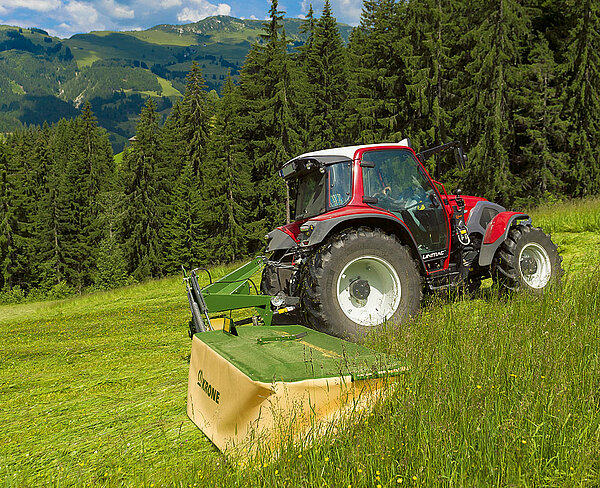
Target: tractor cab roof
308,161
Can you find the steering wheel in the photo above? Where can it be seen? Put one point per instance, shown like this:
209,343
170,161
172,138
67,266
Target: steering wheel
384,192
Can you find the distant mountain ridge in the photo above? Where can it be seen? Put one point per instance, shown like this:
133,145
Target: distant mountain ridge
44,78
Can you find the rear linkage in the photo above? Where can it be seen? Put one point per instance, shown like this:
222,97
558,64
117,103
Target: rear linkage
232,292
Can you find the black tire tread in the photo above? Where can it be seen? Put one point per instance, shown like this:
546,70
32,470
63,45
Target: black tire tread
269,283
504,265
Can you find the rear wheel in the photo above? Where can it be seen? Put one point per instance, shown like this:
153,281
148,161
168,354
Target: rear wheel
527,260
358,281
270,283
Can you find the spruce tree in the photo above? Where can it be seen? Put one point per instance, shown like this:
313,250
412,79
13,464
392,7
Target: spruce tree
185,236
327,74
173,146
430,43
581,98
7,220
88,173
18,265
54,210
308,28
111,266
540,126
228,191
488,100
268,122
195,114
143,214
376,105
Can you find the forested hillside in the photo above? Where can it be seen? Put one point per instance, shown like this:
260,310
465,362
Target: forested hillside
516,82
44,78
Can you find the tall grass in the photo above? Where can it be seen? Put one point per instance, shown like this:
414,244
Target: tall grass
580,215
499,393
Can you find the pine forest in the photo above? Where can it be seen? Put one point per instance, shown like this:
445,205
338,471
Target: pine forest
516,81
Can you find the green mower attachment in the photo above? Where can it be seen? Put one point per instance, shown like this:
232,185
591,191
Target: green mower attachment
259,385
232,292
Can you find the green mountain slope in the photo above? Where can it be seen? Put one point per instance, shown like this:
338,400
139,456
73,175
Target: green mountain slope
44,78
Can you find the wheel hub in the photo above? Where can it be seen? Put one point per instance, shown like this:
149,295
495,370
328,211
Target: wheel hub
360,289
535,265
529,265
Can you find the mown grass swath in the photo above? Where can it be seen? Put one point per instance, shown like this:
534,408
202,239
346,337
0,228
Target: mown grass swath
501,391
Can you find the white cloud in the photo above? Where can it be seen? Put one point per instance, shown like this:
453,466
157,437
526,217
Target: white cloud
83,17
349,10
189,15
81,12
113,9
37,5
205,9
154,5
169,3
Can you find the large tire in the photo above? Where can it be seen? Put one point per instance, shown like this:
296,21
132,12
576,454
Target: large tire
269,283
357,281
527,260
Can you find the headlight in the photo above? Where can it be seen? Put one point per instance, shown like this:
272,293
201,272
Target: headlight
306,230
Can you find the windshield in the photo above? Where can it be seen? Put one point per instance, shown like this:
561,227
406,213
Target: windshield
323,189
310,197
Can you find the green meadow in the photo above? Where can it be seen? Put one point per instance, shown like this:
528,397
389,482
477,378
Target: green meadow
501,391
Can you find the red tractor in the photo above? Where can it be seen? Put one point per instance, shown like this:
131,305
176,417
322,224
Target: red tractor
372,232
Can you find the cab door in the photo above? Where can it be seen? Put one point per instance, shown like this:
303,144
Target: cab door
396,179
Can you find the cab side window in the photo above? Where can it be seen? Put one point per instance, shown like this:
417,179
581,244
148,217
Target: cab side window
398,183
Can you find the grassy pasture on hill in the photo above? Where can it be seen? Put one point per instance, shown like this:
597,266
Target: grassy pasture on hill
500,392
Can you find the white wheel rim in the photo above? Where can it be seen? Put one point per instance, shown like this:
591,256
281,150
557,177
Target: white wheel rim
534,265
384,294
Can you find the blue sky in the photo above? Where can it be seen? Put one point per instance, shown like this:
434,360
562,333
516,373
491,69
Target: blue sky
64,18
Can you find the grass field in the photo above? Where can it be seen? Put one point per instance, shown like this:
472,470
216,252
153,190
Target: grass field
168,90
500,392
165,38
86,58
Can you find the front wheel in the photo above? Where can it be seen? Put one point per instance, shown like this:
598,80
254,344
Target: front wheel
358,281
527,260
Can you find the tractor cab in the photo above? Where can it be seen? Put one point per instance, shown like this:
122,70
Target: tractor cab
386,180
318,184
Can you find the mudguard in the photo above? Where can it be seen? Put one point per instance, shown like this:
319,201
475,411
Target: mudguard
319,230
279,240
496,232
